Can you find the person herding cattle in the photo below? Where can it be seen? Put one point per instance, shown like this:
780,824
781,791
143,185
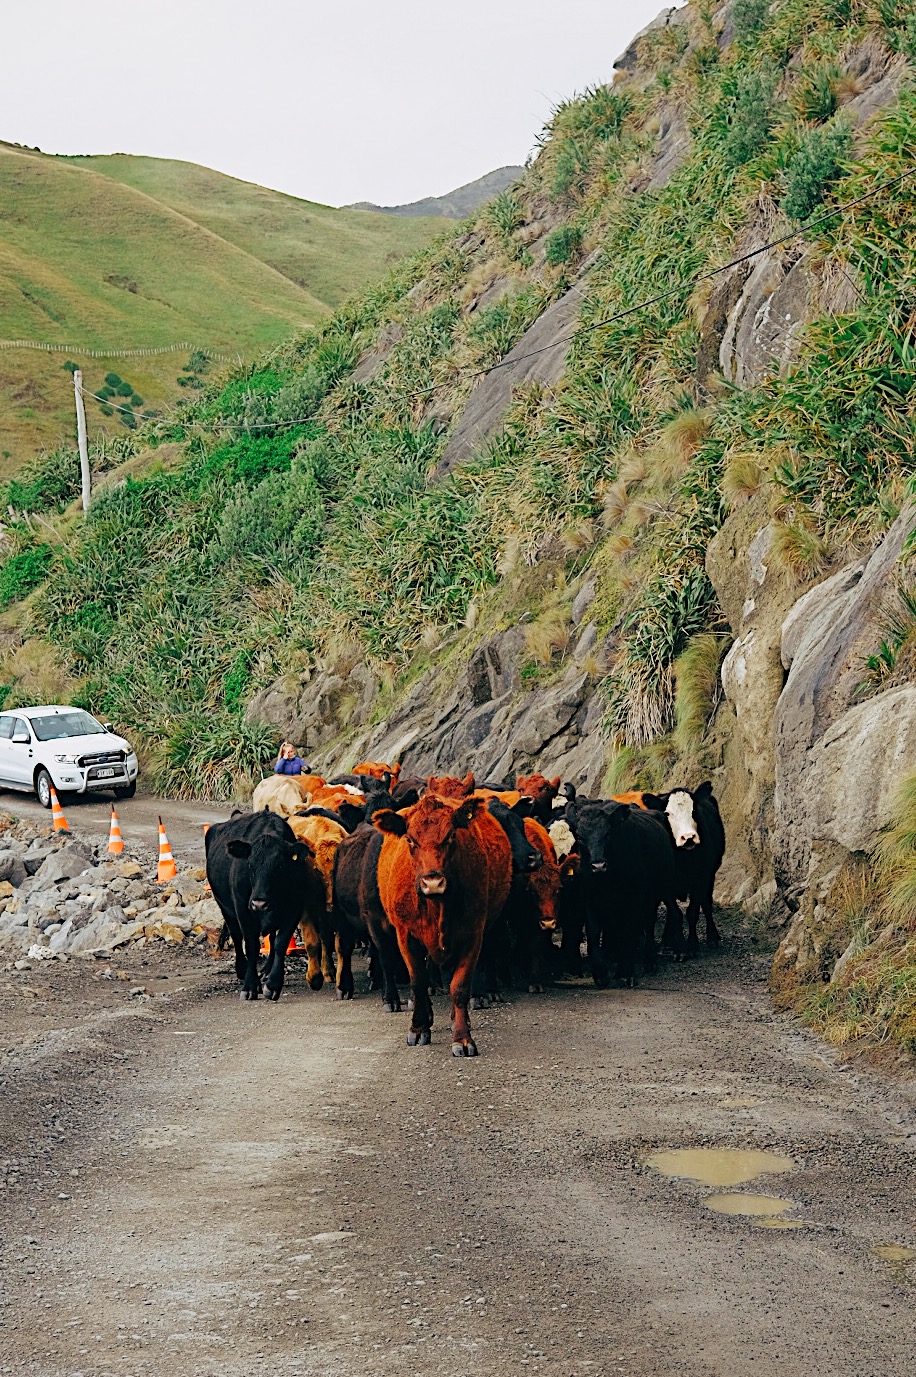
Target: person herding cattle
289,761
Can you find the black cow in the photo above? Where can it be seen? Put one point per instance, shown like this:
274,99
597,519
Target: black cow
695,827
262,881
494,963
359,916
627,867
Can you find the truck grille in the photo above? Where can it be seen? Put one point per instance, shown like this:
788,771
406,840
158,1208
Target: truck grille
103,758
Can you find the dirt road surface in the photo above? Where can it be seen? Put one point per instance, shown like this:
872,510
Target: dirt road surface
196,1186
138,817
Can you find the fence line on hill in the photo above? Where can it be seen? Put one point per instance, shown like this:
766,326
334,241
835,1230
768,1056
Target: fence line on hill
114,353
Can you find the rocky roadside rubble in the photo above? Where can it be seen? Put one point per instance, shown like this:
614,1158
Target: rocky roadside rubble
62,897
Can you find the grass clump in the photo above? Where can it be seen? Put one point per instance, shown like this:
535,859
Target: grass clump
563,245
23,572
800,551
813,166
696,688
897,651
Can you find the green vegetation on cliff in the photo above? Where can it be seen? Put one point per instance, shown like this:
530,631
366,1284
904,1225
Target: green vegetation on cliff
297,514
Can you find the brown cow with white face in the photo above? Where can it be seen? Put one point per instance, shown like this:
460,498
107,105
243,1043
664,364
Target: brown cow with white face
443,874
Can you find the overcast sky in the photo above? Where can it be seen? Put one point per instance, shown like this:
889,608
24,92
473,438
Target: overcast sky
343,101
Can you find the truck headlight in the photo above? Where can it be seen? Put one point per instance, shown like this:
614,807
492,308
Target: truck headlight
67,759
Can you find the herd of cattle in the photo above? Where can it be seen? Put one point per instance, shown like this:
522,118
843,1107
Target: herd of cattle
459,884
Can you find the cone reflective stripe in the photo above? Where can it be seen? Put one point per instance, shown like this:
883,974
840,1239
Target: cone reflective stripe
57,813
167,869
115,840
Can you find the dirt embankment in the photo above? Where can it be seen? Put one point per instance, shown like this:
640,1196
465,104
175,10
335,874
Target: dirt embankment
196,1186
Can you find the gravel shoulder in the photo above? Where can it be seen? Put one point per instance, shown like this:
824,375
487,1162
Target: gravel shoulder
193,1185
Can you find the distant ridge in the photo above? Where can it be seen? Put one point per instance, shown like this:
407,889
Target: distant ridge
457,204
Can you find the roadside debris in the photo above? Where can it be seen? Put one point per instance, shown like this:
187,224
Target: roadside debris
62,897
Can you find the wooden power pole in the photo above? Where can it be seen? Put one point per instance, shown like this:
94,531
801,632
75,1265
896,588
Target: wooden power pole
81,436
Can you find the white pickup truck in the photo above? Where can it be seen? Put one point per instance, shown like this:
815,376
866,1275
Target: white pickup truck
65,748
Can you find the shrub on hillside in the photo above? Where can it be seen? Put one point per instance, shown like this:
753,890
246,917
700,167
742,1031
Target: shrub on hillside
564,244
136,401
748,16
744,117
123,389
70,366
23,572
45,484
113,380
814,165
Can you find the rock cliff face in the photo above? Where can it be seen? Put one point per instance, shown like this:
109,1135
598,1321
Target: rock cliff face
805,758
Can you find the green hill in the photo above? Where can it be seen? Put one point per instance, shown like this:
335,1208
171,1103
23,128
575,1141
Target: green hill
160,254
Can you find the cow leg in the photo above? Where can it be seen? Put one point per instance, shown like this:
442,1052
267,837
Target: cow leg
233,927
385,947
673,934
571,947
328,949
594,932
421,1022
713,936
251,938
276,966
463,1045
650,951
344,945
693,914
485,981
312,938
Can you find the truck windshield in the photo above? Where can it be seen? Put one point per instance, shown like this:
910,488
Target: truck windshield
75,723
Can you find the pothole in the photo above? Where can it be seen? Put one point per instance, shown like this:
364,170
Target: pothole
731,1167
718,1166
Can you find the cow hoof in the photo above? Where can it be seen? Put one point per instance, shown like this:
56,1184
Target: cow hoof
272,994
483,1001
316,981
410,1006
535,989
713,939
343,994
464,1049
248,994
392,1008
421,1037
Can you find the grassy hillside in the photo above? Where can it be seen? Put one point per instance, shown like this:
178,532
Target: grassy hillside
158,254
328,253
300,518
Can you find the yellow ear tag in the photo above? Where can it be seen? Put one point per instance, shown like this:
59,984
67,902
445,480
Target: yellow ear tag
295,856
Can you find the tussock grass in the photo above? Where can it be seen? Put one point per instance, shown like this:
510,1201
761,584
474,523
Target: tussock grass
799,551
742,479
548,637
696,681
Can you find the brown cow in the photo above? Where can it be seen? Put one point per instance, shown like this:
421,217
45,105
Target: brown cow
330,796
378,769
634,796
542,792
443,874
535,914
323,836
448,786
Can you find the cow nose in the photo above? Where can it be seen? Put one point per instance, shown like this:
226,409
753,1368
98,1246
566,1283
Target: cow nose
549,924
431,884
688,842
599,867
535,861
257,905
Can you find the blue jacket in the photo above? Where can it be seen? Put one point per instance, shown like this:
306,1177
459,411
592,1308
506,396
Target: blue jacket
289,767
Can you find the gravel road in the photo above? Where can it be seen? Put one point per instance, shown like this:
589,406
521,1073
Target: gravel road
138,817
196,1186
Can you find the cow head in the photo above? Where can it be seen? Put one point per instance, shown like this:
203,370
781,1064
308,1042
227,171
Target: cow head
275,866
678,809
448,786
598,828
430,829
525,856
541,791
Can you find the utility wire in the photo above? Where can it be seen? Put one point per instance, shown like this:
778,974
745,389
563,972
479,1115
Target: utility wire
510,362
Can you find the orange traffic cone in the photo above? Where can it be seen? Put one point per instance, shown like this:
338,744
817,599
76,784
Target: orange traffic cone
57,813
167,869
115,840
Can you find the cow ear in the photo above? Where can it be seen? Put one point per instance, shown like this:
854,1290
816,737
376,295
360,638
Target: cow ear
468,811
704,790
618,814
555,783
468,782
387,820
298,848
654,801
571,863
524,807
572,815
238,848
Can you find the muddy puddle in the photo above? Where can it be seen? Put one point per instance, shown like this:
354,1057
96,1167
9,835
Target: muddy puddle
731,1167
719,1166
893,1252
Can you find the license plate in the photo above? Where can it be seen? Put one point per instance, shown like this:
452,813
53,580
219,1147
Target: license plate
104,774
